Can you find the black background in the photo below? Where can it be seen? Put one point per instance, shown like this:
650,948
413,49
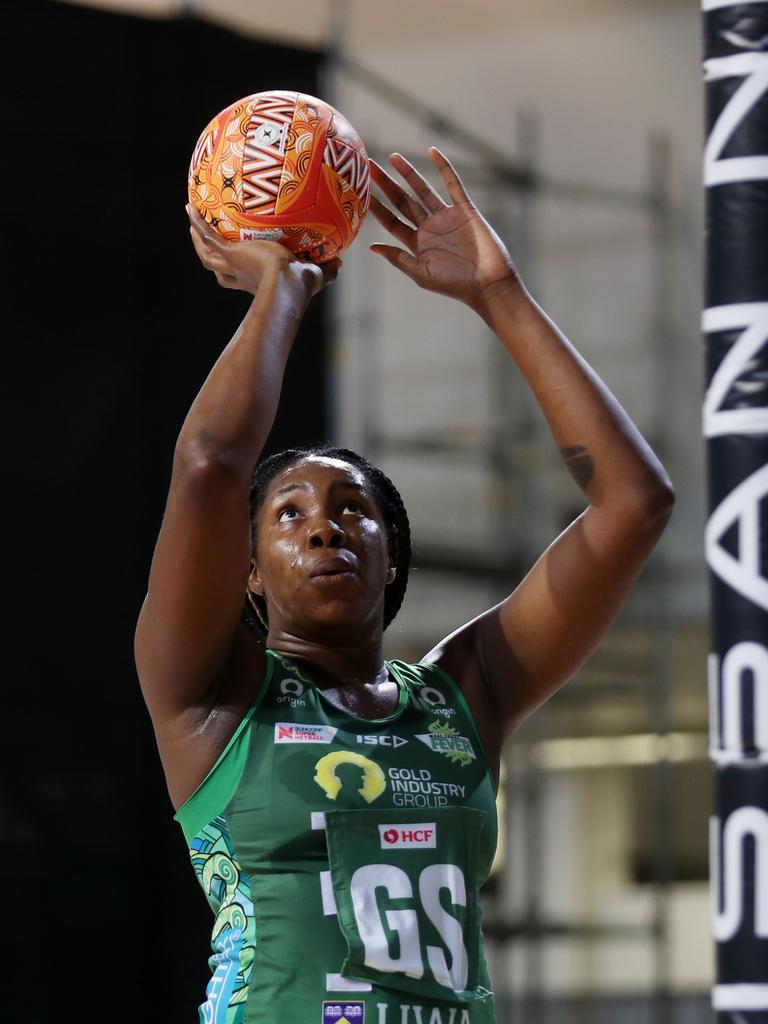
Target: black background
109,326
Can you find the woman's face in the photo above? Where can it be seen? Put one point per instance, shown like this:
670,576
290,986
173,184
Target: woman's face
322,557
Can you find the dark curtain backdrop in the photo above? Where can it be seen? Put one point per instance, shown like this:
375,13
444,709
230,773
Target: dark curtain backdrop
109,327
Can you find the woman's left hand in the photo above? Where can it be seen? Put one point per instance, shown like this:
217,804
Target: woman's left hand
243,265
451,248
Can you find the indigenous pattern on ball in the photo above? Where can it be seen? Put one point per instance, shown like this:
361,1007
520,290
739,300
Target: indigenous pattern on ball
286,167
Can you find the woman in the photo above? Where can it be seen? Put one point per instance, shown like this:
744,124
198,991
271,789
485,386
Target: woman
340,809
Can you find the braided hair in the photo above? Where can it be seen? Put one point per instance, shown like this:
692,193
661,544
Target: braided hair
388,500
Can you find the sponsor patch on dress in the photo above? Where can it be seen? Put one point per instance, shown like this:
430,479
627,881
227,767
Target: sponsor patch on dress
336,1012
445,743
291,732
422,835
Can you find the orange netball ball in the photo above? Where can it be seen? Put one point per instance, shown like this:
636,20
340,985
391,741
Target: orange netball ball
286,167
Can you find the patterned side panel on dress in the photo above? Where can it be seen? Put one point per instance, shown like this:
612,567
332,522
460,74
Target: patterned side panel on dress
228,890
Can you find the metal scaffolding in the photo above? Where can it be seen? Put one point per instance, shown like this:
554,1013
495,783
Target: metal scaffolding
511,450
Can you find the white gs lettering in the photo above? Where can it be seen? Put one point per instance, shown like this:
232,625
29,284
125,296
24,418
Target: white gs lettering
362,888
432,880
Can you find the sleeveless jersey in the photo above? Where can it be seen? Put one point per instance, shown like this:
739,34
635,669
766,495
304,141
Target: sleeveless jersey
342,858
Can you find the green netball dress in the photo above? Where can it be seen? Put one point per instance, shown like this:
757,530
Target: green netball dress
342,858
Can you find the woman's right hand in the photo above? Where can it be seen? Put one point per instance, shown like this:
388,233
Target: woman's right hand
242,265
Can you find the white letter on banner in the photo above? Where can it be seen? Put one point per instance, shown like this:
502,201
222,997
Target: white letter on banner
753,68
745,657
711,5
742,507
738,998
713,691
752,319
726,691
743,822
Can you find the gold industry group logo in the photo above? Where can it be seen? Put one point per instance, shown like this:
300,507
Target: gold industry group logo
374,780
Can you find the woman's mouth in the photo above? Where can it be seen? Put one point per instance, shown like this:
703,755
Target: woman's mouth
329,570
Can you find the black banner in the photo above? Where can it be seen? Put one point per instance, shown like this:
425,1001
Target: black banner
735,324
110,325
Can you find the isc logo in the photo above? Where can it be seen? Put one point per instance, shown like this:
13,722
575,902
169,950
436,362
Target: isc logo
421,836
382,740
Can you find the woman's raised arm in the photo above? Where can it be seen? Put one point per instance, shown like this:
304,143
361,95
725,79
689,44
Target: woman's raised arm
197,581
514,656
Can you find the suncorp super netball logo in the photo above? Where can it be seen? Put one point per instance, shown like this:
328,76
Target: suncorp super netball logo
419,836
291,732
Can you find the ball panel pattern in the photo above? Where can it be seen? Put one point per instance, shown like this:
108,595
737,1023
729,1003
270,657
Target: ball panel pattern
285,166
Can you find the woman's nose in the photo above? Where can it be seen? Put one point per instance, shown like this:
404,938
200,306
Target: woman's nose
326,533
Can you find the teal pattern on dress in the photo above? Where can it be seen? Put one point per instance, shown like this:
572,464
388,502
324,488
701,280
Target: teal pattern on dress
233,940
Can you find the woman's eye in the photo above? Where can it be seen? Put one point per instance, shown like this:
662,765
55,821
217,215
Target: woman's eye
287,514
351,506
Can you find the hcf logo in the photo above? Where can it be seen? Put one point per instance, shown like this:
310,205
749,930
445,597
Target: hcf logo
421,835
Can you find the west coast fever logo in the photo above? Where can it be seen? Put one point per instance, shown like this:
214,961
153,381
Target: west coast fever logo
374,780
443,739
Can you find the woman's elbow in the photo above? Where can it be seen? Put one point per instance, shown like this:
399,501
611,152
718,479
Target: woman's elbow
651,506
201,467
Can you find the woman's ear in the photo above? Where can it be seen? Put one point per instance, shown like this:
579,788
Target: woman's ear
254,580
394,554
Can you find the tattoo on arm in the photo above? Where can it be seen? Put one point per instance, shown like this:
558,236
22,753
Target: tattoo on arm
579,463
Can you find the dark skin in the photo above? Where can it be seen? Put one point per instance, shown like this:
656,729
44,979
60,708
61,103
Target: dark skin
200,667
322,563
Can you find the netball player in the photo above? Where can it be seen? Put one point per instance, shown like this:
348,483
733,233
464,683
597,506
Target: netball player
339,809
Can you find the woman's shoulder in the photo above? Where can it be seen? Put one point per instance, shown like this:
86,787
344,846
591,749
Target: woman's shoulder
424,674
220,781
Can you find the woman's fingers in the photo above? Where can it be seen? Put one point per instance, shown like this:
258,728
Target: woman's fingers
399,198
330,269
399,258
402,232
204,230
453,182
420,185
226,280
210,259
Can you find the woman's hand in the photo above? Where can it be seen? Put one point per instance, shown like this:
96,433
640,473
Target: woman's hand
451,248
242,265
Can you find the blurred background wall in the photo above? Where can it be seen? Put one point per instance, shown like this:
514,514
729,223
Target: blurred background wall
577,125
